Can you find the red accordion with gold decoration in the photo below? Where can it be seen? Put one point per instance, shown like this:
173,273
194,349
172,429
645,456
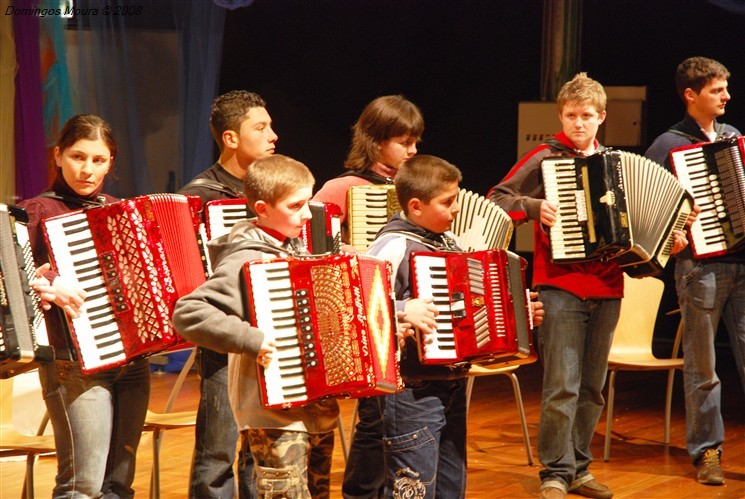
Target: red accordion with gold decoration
484,312
333,320
134,259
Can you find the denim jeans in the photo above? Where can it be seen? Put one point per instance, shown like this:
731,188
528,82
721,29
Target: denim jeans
706,293
216,437
574,343
425,440
97,420
364,475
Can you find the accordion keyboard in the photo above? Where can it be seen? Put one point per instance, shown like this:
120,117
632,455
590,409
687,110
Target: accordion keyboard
720,197
75,257
275,316
567,241
432,281
222,217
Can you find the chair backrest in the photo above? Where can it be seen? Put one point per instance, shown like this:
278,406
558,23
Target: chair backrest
6,403
641,301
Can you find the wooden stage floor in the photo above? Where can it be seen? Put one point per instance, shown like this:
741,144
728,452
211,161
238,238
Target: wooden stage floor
641,466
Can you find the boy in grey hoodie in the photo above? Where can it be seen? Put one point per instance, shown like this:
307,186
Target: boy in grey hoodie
292,448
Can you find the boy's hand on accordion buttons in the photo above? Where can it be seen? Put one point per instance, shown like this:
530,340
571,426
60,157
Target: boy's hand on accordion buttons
266,352
421,313
41,285
548,213
68,297
680,241
537,309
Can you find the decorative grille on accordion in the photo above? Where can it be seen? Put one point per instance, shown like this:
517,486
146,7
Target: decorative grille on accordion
614,205
713,172
333,321
134,259
23,333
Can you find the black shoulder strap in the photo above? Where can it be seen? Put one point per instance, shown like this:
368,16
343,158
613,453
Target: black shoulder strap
690,137
368,175
557,144
99,201
214,185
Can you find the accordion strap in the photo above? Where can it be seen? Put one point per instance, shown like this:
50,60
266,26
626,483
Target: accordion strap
267,247
720,134
368,175
86,203
214,185
430,243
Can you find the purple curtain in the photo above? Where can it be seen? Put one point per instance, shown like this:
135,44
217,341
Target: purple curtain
31,167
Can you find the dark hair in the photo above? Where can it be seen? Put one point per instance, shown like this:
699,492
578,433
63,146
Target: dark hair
696,72
88,127
229,110
423,177
383,118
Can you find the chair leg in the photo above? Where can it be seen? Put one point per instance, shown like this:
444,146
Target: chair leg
669,403
28,483
609,414
343,437
155,473
355,416
469,389
521,410
180,380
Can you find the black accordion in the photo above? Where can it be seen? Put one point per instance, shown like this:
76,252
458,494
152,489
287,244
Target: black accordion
23,333
713,172
614,205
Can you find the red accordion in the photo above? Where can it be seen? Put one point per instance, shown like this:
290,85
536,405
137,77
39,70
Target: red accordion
322,233
334,324
134,259
483,306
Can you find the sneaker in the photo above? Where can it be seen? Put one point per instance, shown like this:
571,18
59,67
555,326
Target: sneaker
552,493
592,488
709,469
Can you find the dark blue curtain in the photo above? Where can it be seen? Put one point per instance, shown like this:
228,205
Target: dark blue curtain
111,70
201,26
